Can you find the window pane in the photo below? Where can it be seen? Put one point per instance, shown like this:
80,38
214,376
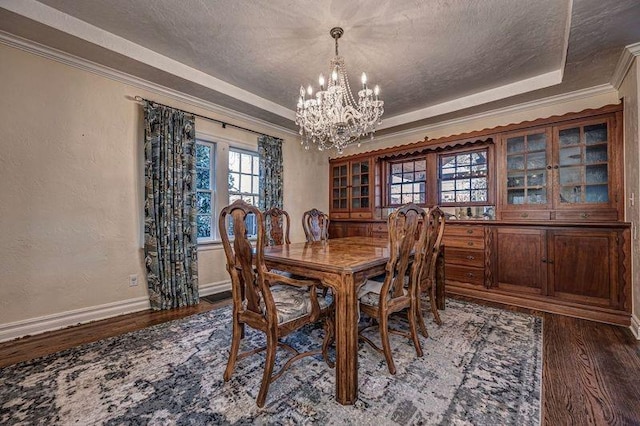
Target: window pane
204,226
245,163
203,156
256,164
255,186
234,161
204,202
203,179
234,182
245,183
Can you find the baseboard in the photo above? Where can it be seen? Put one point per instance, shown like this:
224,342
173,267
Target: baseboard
57,321
52,322
214,288
635,326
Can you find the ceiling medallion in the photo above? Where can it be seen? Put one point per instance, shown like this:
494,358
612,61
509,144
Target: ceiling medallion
333,118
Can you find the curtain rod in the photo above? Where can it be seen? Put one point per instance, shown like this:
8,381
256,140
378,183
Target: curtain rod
224,124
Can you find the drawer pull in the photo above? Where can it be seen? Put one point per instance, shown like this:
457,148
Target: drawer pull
469,231
471,257
524,215
584,215
469,243
470,274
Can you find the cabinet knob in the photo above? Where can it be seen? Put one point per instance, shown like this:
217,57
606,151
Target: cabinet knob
469,231
584,215
544,260
471,257
548,166
469,243
524,215
555,167
470,274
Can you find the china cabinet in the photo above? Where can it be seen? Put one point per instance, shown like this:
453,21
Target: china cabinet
568,171
536,218
351,189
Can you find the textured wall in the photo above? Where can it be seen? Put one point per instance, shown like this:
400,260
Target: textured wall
71,187
630,92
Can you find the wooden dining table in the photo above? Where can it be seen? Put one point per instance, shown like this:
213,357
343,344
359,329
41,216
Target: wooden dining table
343,264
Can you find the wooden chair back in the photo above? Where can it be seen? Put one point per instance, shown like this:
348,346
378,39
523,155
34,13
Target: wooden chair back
277,225
428,247
247,282
403,226
315,225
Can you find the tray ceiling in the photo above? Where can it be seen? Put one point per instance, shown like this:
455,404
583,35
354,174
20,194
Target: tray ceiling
430,58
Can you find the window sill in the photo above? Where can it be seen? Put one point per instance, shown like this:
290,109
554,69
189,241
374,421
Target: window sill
210,245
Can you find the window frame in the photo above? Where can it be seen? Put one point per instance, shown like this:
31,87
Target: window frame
255,195
212,190
488,176
389,179
222,145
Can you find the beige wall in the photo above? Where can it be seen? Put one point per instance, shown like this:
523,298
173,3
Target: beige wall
71,188
630,92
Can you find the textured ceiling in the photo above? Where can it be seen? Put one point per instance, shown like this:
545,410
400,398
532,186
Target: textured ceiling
423,53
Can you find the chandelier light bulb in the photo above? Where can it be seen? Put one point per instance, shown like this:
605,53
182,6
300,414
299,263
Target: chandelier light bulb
309,90
321,81
364,80
334,76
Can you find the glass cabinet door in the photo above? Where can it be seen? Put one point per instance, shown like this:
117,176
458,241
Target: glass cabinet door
527,168
583,164
360,179
339,185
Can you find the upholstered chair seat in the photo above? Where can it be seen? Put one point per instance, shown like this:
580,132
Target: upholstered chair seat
293,303
369,293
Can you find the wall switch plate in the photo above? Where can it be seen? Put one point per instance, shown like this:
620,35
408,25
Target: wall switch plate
133,280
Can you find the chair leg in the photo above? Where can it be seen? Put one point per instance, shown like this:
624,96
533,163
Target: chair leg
272,345
420,318
434,306
329,337
235,346
386,347
412,316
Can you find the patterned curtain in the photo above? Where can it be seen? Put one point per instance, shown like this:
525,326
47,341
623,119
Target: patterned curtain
170,208
270,152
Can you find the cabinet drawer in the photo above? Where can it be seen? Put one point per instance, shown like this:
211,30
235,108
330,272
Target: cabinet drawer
587,215
462,242
463,231
339,215
464,274
527,215
464,257
379,227
361,215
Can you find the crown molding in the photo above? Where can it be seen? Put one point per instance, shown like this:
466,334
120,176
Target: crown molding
419,132
75,27
519,87
130,80
629,53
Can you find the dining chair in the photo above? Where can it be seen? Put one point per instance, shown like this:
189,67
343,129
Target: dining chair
425,264
277,224
263,300
398,291
315,225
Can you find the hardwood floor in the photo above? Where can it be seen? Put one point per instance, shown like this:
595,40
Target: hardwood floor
591,371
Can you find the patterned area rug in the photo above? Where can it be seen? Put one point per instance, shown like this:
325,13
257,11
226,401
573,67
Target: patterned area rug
482,366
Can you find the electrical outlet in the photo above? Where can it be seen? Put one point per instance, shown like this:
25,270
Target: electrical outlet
133,280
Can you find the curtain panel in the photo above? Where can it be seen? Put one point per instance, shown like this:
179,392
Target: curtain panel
270,181
170,207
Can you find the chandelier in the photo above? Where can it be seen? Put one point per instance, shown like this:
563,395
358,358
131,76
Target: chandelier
333,118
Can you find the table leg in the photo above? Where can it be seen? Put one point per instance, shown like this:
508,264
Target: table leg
346,341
